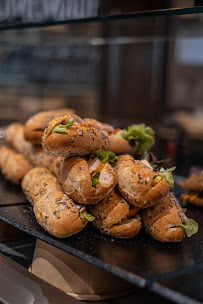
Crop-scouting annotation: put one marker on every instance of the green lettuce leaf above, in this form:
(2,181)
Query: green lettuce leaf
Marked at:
(167,175)
(105,156)
(95,178)
(88,216)
(63,128)
(139,135)
(190,227)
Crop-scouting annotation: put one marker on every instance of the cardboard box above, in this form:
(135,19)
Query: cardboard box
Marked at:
(74,276)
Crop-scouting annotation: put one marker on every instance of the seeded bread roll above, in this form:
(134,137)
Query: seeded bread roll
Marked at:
(38,157)
(162,219)
(56,166)
(35,125)
(35,154)
(14,136)
(127,229)
(13,165)
(99,125)
(53,209)
(77,181)
(78,141)
(135,182)
(120,146)
(111,217)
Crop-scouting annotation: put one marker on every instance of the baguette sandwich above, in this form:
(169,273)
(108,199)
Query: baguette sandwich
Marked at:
(13,165)
(162,220)
(67,136)
(53,209)
(139,184)
(114,217)
(35,125)
(71,136)
(14,136)
(87,182)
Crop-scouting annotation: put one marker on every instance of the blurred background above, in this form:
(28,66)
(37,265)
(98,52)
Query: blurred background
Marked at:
(127,71)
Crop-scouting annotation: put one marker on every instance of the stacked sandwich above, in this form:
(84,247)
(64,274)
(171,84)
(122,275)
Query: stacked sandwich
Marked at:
(86,171)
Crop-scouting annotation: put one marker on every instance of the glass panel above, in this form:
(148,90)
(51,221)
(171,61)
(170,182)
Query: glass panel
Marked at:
(124,71)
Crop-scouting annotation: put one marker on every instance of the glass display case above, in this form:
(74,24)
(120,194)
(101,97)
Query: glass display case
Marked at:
(121,63)
(119,66)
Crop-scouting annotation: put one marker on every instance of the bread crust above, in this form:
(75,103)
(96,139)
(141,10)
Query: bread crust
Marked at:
(14,136)
(127,231)
(38,157)
(35,125)
(13,165)
(134,182)
(79,140)
(120,146)
(77,182)
(34,153)
(160,220)
(56,167)
(110,212)
(99,125)
(53,209)
(89,135)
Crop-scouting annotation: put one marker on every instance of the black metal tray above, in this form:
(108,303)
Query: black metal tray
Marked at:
(185,288)
(140,260)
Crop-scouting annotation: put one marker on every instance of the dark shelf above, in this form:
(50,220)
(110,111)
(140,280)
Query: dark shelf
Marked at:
(140,260)
(186,288)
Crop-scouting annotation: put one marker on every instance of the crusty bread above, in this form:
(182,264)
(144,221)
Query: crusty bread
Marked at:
(82,138)
(35,125)
(194,182)
(13,165)
(134,182)
(79,140)
(56,166)
(77,183)
(35,154)
(194,198)
(120,146)
(110,213)
(127,230)
(14,136)
(53,209)
(111,210)
(38,157)
(162,219)
(88,122)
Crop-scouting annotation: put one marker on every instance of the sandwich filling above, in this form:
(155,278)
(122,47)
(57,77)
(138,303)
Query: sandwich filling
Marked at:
(95,166)
(140,135)
(163,174)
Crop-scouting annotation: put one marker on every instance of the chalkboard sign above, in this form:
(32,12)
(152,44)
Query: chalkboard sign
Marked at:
(25,12)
